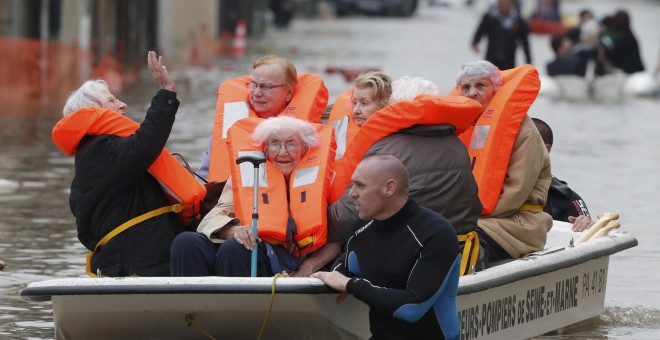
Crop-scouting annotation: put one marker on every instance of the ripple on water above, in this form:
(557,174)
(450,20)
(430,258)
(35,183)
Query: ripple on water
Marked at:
(14,309)
(38,324)
(639,323)
(33,184)
(635,317)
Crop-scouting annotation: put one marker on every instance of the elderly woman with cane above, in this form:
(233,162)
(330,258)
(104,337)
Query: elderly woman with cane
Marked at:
(291,202)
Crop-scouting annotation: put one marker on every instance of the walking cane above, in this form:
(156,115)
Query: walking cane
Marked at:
(255,160)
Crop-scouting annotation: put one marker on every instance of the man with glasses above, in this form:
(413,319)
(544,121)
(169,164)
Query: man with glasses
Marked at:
(273,88)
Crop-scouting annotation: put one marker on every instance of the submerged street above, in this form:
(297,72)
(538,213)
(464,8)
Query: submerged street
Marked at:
(606,149)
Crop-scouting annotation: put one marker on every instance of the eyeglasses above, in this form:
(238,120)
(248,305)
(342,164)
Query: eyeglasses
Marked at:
(252,86)
(277,146)
(478,86)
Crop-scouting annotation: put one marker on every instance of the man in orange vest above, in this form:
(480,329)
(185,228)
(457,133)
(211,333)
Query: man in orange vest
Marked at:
(273,88)
(274,79)
(513,223)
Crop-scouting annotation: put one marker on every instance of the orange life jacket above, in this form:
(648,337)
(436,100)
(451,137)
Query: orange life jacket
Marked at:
(342,105)
(341,120)
(423,110)
(176,181)
(490,140)
(308,102)
(307,191)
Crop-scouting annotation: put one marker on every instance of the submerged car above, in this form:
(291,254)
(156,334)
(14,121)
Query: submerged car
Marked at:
(402,8)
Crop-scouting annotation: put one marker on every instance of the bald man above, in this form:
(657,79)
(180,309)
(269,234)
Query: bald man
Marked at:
(397,254)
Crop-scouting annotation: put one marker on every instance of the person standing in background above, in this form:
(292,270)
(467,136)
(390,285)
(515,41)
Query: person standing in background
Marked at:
(621,46)
(505,29)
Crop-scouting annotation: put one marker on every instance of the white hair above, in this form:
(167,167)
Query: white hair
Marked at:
(407,88)
(90,93)
(284,124)
(478,70)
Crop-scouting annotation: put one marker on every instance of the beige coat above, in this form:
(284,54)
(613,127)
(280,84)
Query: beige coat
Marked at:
(220,216)
(526,182)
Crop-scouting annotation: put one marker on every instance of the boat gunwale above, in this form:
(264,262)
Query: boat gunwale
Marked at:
(45,293)
(614,243)
(465,288)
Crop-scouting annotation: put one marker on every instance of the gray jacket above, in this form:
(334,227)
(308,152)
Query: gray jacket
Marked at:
(440,178)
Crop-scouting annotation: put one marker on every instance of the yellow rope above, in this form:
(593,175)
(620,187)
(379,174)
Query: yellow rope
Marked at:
(191,321)
(272,299)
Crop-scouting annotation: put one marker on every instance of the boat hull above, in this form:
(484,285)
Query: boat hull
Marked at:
(547,291)
(188,316)
(535,305)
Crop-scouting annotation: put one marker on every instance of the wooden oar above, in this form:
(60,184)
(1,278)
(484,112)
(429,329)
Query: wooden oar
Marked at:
(606,229)
(603,218)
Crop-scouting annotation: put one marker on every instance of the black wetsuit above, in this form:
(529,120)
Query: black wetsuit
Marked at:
(402,260)
(563,202)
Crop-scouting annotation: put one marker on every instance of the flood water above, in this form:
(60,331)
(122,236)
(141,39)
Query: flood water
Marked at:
(608,150)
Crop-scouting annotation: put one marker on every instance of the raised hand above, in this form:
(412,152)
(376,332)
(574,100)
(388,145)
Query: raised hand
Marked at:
(159,72)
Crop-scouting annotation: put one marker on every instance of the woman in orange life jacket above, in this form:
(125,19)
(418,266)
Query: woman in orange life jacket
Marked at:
(370,93)
(516,225)
(223,242)
(112,184)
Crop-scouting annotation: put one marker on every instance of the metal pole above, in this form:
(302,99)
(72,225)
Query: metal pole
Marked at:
(255,160)
(255,219)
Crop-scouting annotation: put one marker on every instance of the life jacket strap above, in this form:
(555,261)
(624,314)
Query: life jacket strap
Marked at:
(176,208)
(296,247)
(306,241)
(530,207)
(469,251)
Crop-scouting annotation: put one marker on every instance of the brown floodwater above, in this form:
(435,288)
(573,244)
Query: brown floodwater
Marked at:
(607,149)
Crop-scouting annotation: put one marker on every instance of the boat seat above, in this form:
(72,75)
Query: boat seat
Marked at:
(443,303)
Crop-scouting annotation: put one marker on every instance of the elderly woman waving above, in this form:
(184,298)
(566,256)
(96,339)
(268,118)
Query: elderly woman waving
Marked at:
(292,202)
(125,181)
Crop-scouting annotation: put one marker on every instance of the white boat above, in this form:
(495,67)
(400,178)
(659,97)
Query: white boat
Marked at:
(549,290)
(611,87)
